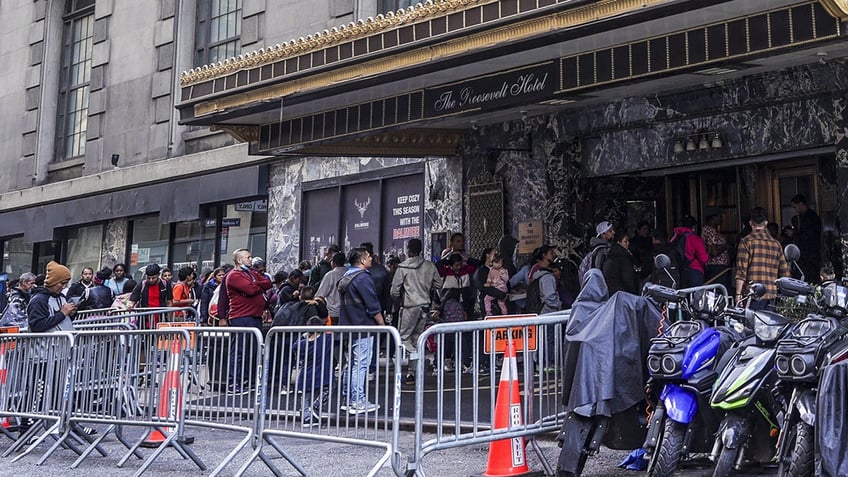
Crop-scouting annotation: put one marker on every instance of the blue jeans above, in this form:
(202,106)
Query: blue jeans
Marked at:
(240,363)
(356,371)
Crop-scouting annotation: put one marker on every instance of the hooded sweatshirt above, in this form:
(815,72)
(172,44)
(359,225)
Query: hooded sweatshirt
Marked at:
(44,312)
(415,278)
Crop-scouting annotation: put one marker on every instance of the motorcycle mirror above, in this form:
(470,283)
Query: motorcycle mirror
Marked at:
(662,261)
(792,252)
(758,289)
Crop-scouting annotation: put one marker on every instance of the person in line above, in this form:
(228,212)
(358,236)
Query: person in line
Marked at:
(168,275)
(549,277)
(153,292)
(717,249)
(184,294)
(245,291)
(17,300)
(117,282)
(641,246)
(290,290)
(206,293)
(807,237)
(599,246)
(48,310)
(122,301)
(498,278)
(620,267)
(360,306)
(86,281)
(414,281)
(759,259)
(323,267)
(314,352)
(328,291)
(694,252)
(99,296)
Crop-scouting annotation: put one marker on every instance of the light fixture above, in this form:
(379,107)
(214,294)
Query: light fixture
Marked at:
(717,143)
(697,141)
(474,125)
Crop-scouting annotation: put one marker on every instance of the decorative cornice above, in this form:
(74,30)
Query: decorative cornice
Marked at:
(837,8)
(525,29)
(327,38)
(242,133)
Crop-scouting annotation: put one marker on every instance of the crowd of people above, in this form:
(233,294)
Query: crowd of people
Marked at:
(354,288)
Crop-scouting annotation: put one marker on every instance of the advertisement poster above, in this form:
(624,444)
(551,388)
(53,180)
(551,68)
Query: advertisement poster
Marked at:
(403,213)
(320,222)
(361,214)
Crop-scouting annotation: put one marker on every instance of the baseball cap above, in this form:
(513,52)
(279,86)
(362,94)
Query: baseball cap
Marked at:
(602,228)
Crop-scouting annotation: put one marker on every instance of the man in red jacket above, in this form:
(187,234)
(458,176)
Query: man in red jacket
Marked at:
(245,287)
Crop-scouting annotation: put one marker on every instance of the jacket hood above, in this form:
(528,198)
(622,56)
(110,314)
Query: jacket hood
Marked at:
(412,262)
(44,291)
(682,230)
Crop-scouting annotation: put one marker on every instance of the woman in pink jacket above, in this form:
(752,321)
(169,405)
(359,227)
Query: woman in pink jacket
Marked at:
(694,252)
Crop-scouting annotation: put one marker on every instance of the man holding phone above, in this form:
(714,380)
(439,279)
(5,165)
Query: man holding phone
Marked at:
(48,309)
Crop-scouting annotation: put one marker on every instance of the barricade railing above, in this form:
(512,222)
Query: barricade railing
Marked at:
(463,406)
(324,386)
(139,318)
(35,372)
(127,378)
(224,383)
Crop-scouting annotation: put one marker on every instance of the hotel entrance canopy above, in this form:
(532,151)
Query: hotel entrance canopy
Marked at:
(407,82)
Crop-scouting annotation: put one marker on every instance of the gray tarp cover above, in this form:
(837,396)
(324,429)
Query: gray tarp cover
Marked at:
(832,421)
(607,341)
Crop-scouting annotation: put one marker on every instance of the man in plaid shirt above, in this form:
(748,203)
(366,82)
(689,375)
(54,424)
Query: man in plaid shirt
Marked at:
(759,259)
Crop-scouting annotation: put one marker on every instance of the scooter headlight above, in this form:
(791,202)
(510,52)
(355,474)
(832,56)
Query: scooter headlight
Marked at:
(767,331)
(782,364)
(654,365)
(669,364)
(798,365)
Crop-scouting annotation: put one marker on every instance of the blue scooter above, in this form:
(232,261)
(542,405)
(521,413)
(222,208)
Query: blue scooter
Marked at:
(683,363)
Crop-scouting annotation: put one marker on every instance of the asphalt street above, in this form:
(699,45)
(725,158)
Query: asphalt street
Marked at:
(317,458)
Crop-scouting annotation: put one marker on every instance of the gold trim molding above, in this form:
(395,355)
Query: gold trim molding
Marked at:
(408,142)
(578,16)
(837,8)
(242,133)
(328,38)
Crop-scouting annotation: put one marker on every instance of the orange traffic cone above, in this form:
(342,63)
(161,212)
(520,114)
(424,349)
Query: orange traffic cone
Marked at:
(170,395)
(507,457)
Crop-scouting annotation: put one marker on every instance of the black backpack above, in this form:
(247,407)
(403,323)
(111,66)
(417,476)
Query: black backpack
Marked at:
(680,246)
(533,303)
(292,313)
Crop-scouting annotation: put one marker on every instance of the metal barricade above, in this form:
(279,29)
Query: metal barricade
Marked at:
(224,384)
(35,372)
(140,318)
(462,410)
(128,379)
(319,387)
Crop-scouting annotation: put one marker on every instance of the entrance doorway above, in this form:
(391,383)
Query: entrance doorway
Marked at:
(786,183)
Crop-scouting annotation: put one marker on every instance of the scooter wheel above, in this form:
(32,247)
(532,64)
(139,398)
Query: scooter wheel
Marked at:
(670,449)
(726,461)
(801,460)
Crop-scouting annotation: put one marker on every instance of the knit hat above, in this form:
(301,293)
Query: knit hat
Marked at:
(56,274)
(102,275)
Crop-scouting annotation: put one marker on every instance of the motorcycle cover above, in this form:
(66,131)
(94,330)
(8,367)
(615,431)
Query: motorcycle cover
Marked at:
(606,343)
(832,421)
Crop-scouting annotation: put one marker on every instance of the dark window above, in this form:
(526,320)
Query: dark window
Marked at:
(77,43)
(218,30)
(385,6)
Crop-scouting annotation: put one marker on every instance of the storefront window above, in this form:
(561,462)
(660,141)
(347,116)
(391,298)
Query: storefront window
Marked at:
(244,225)
(83,249)
(194,245)
(149,244)
(17,257)
(44,252)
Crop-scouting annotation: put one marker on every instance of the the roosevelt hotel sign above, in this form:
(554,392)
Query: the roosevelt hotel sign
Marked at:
(515,87)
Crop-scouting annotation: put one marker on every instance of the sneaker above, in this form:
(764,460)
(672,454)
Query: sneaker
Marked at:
(409,379)
(285,392)
(236,390)
(467,369)
(310,420)
(89,431)
(372,375)
(483,371)
(362,407)
(549,370)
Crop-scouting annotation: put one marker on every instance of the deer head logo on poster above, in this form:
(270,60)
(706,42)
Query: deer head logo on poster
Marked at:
(362,207)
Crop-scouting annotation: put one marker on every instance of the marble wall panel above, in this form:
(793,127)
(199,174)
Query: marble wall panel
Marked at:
(114,248)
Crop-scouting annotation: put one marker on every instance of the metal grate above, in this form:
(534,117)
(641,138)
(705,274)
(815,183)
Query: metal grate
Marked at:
(485,212)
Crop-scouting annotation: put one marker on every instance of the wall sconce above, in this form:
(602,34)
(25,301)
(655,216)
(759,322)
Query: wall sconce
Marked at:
(698,141)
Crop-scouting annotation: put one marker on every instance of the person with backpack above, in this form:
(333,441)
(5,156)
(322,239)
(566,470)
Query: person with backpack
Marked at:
(545,289)
(599,246)
(100,295)
(692,251)
(208,306)
(294,314)
(152,292)
(328,291)
(620,267)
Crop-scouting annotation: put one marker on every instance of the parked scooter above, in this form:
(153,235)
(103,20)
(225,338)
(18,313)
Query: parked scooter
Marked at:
(747,388)
(817,341)
(683,363)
